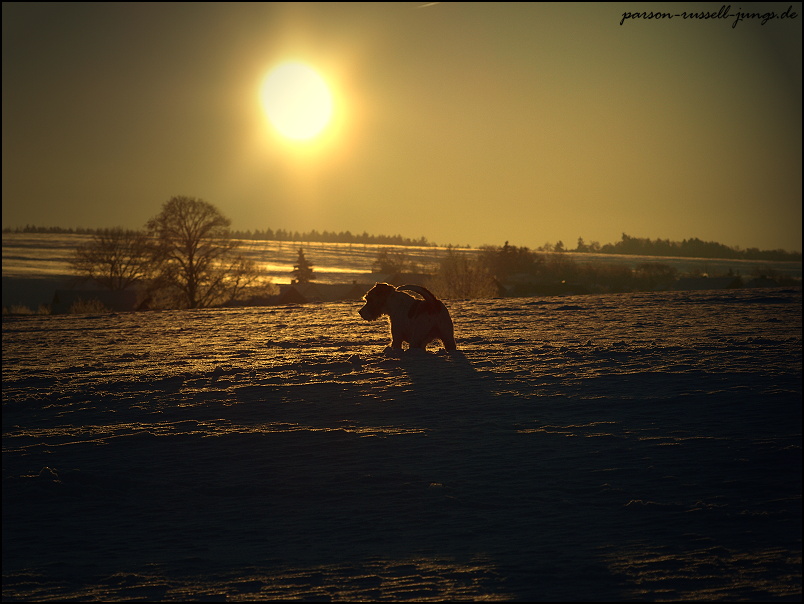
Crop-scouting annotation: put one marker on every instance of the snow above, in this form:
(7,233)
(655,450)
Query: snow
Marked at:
(616,447)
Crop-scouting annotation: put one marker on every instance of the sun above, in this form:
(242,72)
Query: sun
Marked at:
(296,100)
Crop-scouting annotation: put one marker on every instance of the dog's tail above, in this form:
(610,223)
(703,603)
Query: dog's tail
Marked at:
(422,291)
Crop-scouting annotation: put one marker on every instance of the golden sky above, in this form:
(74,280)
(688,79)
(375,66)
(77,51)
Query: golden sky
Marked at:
(467,123)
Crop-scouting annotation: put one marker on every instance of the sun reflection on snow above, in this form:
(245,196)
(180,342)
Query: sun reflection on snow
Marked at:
(63,435)
(417,579)
(569,430)
(714,573)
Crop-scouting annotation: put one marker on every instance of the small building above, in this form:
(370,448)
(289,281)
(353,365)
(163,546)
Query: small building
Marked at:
(301,293)
(703,283)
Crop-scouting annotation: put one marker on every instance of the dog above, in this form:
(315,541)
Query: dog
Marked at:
(417,322)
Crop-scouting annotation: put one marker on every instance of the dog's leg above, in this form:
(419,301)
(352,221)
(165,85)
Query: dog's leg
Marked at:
(396,338)
(448,340)
(445,336)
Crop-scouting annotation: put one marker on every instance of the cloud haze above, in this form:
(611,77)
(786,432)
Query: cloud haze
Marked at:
(464,123)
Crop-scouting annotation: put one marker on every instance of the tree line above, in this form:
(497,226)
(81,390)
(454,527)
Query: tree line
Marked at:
(30,228)
(628,245)
(313,236)
(518,271)
(187,257)
(332,237)
(687,248)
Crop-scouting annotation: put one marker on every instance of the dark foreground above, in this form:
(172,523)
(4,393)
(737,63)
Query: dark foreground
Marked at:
(632,447)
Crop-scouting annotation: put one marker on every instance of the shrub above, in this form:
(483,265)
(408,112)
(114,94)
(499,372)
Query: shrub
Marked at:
(460,276)
(91,306)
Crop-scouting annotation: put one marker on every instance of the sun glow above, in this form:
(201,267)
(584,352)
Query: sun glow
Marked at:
(297,101)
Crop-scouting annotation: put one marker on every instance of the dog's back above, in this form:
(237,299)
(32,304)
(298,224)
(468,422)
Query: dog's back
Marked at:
(430,305)
(422,291)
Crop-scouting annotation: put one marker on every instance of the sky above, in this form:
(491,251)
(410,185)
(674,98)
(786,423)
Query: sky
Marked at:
(465,123)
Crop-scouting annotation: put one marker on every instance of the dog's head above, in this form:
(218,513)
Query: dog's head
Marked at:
(375,301)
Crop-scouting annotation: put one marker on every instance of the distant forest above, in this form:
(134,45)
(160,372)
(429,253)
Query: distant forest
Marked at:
(267,235)
(688,248)
(634,246)
(331,237)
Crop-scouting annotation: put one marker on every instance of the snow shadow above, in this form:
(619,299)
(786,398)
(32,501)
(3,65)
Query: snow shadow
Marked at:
(477,483)
(447,377)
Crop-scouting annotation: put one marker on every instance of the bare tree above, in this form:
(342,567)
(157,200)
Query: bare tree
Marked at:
(116,259)
(197,257)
